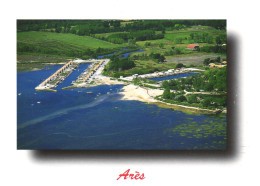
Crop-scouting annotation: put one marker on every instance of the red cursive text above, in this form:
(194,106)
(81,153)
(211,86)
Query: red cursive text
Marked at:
(136,176)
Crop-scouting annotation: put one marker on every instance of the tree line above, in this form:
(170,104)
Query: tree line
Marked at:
(142,35)
(215,49)
(87,27)
(61,49)
(207,61)
(118,64)
(210,80)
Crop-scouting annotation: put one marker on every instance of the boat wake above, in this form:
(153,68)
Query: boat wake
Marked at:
(61,112)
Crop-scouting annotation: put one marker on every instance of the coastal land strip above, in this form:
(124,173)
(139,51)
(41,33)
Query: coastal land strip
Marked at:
(147,95)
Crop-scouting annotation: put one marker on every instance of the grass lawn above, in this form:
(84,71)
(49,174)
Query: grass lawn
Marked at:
(31,57)
(72,39)
(105,35)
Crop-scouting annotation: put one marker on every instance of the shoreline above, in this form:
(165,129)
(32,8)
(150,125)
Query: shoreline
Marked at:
(189,109)
(134,92)
(147,95)
(34,66)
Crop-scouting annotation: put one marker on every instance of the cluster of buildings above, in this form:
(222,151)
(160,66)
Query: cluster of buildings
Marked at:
(211,65)
(158,74)
(88,74)
(193,47)
(67,69)
(196,46)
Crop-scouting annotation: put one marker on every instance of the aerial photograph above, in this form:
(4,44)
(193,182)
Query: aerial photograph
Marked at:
(121,84)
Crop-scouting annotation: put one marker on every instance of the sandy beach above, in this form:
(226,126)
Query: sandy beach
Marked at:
(143,94)
(103,80)
(133,92)
(147,95)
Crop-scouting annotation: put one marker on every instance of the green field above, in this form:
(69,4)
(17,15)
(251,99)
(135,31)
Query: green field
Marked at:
(61,45)
(180,39)
(44,47)
(70,39)
(105,35)
(171,37)
(186,56)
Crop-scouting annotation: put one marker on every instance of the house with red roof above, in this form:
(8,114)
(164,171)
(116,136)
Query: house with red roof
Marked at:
(193,46)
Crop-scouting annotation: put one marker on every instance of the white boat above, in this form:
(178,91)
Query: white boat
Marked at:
(19,94)
(38,102)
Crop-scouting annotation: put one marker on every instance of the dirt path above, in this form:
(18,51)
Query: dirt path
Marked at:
(205,93)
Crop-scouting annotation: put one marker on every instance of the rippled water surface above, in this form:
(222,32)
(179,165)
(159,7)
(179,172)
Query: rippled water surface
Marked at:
(96,118)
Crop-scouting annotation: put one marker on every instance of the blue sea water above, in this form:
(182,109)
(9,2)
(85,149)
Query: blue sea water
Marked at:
(127,54)
(173,76)
(112,53)
(75,119)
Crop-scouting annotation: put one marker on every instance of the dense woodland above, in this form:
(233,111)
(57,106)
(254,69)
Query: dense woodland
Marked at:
(213,80)
(210,80)
(87,27)
(124,37)
(118,64)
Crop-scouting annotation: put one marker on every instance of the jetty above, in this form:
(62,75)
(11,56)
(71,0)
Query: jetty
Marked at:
(57,77)
(62,73)
(88,75)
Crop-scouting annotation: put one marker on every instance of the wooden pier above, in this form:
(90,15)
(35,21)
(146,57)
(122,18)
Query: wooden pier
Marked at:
(44,84)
